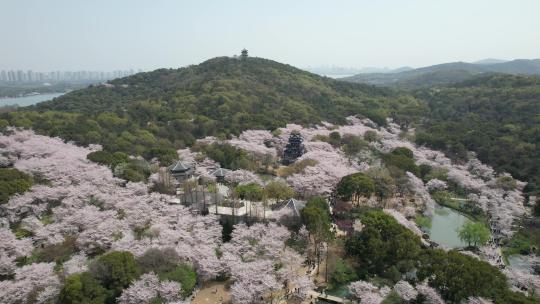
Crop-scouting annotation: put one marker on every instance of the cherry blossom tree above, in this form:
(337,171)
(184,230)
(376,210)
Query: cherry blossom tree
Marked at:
(77,263)
(419,189)
(147,288)
(254,142)
(10,246)
(405,290)
(436,185)
(478,300)
(242,177)
(366,292)
(404,221)
(37,280)
(430,294)
(84,199)
(251,258)
(7,264)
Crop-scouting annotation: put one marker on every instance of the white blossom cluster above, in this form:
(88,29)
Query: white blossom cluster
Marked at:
(86,201)
(148,287)
(366,292)
(251,258)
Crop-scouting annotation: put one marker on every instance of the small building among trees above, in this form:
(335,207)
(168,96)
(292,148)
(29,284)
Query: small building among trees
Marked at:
(181,171)
(290,207)
(220,174)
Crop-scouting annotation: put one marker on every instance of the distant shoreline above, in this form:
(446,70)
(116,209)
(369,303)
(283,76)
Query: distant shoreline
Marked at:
(30,94)
(28,100)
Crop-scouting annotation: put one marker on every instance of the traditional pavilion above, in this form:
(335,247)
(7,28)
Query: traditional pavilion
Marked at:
(181,171)
(294,149)
(220,174)
(292,206)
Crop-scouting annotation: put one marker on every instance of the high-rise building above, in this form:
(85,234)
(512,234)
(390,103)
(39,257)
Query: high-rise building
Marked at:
(20,76)
(57,76)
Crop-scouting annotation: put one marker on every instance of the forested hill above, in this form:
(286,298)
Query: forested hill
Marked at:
(170,108)
(234,94)
(447,73)
(496,116)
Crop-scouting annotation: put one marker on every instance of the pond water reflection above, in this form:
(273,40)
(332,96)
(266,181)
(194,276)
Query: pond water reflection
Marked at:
(445,224)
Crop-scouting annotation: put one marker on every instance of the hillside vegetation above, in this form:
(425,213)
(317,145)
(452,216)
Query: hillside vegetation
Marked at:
(447,73)
(497,116)
(170,108)
(153,114)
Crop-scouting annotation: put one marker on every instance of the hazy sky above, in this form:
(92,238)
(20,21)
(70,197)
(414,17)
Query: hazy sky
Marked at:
(147,34)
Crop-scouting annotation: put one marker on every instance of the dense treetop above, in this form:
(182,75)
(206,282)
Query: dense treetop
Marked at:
(153,114)
(498,117)
(170,108)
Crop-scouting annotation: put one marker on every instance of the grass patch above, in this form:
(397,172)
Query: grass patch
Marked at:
(526,241)
(455,202)
(184,274)
(297,167)
(423,221)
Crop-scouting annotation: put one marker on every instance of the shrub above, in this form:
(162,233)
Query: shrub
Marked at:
(83,288)
(115,270)
(184,274)
(13,181)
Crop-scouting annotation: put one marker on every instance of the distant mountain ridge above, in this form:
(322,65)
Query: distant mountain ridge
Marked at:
(448,73)
(489,61)
(330,71)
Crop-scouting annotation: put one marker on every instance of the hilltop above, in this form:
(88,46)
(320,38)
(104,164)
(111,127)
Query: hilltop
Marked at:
(250,85)
(170,108)
(448,73)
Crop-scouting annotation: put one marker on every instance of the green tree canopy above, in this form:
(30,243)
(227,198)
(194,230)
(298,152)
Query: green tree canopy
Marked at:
(457,276)
(475,233)
(401,159)
(251,192)
(320,203)
(82,288)
(115,270)
(381,244)
(278,190)
(355,185)
(13,181)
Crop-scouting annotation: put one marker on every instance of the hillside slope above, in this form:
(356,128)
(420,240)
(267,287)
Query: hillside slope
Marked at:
(496,116)
(447,73)
(170,108)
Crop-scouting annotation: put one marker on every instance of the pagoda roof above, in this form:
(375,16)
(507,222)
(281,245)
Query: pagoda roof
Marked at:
(293,205)
(220,172)
(179,166)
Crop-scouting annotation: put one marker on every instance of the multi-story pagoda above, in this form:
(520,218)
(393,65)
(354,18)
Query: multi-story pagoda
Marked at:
(294,149)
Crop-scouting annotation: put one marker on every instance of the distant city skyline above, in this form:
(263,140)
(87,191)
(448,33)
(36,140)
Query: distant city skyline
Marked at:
(30,76)
(118,35)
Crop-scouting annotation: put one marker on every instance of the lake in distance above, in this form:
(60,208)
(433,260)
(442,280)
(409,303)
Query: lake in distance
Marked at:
(27,100)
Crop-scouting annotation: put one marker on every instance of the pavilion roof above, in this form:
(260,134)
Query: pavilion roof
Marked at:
(220,172)
(179,166)
(293,205)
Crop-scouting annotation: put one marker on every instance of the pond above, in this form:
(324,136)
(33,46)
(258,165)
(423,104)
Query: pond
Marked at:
(445,224)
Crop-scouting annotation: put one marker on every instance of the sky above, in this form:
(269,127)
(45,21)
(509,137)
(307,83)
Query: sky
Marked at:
(141,34)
